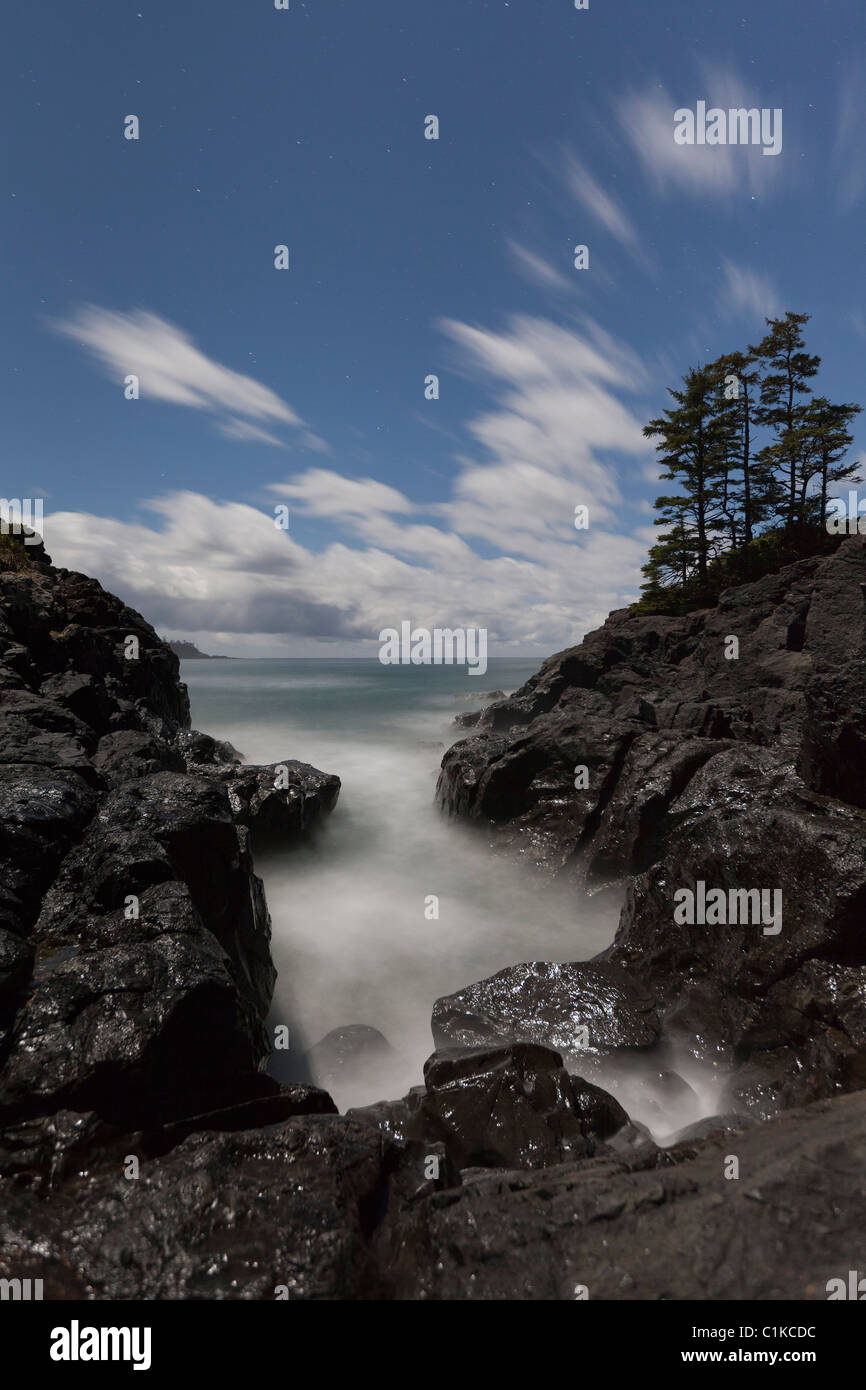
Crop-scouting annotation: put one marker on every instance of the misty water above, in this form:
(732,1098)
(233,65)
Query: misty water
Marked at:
(351,941)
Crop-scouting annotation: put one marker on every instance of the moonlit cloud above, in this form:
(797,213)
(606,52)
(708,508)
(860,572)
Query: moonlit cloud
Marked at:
(647,118)
(747,292)
(171,368)
(247,433)
(849,151)
(603,206)
(537,270)
(499,550)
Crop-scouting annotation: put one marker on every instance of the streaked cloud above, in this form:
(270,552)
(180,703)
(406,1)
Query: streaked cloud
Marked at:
(170,367)
(849,149)
(536,269)
(647,119)
(747,292)
(499,550)
(603,206)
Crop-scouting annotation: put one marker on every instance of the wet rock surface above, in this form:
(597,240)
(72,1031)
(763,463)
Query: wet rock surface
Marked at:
(135,966)
(509,1107)
(577,1009)
(645,756)
(332,1207)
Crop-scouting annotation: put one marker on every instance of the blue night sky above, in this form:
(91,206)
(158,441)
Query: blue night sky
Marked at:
(408,256)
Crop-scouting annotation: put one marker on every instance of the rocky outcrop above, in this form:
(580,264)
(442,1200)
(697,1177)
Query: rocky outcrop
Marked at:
(578,1009)
(135,966)
(335,1207)
(726,748)
(508,1107)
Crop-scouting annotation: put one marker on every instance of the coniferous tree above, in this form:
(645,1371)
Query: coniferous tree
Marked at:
(787,371)
(739,391)
(740,511)
(828,439)
(691,448)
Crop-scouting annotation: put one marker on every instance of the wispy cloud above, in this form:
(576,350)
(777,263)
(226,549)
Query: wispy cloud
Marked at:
(747,292)
(497,550)
(247,433)
(647,118)
(170,367)
(849,150)
(603,206)
(537,269)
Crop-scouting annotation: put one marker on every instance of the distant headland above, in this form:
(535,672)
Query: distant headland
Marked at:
(188,651)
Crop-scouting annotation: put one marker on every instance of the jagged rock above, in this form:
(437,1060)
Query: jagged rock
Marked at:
(130,753)
(747,821)
(144,1021)
(42,813)
(328,1207)
(281,801)
(741,774)
(507,1107)
(66,1140)
(641,1224)
(551,1004)
(200,750)
(290,1208)
(135,969)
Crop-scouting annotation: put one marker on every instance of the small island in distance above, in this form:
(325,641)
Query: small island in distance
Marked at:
(188,651)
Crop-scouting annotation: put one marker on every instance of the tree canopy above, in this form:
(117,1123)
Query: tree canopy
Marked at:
(752,456)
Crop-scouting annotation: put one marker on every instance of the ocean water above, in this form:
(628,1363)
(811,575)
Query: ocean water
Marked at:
(352,942)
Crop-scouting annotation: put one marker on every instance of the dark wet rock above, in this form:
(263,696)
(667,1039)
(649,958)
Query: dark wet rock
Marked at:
(747,821)
(632,1136)
(68,1140)
(200,750)
(645,1224)
(283,1212)
(501,1108)
(645,757)
(507,1107)
(325,1207)
(282,801)
(577,1008)
(599,1115)
(145,1020)
(135,968)
(129,753)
